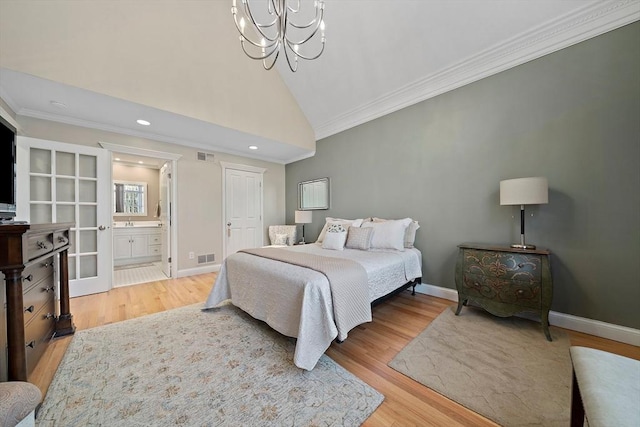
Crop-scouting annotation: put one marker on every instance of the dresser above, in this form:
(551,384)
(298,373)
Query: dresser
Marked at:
(505,281)
(29,255)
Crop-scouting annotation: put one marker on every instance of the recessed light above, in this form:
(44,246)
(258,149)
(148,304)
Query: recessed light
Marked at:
(141,162)
(143,122)
(58,104)
(117,159)
(253,147)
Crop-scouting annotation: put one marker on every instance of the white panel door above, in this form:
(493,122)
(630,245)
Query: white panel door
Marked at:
(243,205)
(60,182)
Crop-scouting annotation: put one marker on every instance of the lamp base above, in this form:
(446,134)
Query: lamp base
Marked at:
(520,246)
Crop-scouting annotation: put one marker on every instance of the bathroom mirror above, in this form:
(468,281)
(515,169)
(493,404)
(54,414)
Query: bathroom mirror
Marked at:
(130,198)
(313,195)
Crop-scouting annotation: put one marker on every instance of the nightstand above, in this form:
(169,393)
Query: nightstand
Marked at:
(505,281)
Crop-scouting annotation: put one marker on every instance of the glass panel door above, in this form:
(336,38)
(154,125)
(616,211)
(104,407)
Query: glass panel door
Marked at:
(70,183)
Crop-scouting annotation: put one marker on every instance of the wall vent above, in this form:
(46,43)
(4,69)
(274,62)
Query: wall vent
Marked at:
(206,157)
(206,258)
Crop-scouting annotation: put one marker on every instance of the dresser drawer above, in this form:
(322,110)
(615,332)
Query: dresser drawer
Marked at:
(39,244)
(35,272)
(37,334)
(504,265)
(36,298)
(60,238)
(513,292)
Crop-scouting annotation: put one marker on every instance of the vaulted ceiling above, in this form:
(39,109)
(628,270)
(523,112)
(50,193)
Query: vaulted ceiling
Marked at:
(180,65)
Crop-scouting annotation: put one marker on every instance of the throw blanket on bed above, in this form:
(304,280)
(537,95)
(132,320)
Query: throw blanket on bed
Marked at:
(347,279)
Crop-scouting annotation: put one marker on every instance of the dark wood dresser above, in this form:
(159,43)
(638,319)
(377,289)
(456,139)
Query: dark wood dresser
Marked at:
(29,254)
(505,281)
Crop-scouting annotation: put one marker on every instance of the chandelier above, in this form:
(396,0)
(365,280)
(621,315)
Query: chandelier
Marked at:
(265,40)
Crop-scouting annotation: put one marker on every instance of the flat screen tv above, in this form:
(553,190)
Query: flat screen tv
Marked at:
(7,171)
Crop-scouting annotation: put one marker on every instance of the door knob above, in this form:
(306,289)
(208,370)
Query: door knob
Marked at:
(229,224)
(102,228)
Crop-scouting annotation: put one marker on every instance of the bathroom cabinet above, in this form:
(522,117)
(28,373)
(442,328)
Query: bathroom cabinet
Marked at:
(136,245)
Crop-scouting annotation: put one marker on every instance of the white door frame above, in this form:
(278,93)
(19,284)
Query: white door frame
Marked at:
(246,168)
(125,149)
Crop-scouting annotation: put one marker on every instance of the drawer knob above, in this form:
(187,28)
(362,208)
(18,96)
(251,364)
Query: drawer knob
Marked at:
(48,316)
(28,278)
(41,245)
(48,289)
(30,309)
(61,239)
(46,264)
(32,344)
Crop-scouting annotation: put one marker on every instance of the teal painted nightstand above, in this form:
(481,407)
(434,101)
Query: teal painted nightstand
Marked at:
(505,281)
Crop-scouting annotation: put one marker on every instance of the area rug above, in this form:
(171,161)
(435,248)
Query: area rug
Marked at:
(191,367)
(502,368)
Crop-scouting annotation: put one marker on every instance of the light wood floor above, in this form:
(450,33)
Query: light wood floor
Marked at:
(365,353)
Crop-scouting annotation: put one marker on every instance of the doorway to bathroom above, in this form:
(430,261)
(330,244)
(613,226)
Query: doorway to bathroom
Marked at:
(143,213)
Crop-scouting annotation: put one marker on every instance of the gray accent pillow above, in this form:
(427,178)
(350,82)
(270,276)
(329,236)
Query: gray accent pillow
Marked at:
(359,238)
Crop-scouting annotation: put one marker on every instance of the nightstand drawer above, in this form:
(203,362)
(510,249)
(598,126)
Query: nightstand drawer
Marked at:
(504,265)
(501,290)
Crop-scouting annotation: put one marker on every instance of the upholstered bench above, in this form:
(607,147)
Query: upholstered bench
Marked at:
(606,388)
(18,402)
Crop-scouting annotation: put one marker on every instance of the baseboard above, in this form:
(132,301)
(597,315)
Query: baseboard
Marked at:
(580,324)
(211,268)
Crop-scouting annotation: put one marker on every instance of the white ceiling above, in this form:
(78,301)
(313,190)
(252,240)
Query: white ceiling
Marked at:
(381,55)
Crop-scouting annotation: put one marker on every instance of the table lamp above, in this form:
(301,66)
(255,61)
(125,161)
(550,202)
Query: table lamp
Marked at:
(524,191)
(303,217)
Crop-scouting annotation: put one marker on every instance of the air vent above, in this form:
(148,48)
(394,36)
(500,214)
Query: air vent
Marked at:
(206,157)
(206,258)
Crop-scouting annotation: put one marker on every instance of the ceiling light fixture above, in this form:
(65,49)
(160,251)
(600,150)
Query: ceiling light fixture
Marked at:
(253,147)
(279,32)
(143,122)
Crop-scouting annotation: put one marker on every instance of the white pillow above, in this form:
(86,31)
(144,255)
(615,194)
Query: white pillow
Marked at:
(335,237)
(388,234)
(346,223)
(281,239)
(409,233)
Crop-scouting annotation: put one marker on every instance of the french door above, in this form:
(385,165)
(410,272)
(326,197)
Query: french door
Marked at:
(60,182)
(243,207)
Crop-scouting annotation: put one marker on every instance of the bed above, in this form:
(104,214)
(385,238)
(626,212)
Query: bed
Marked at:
(298,301)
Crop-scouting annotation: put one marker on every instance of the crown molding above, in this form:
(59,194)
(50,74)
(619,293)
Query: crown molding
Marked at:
(593,19)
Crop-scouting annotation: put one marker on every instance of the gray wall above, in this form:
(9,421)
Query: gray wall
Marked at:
(572,116)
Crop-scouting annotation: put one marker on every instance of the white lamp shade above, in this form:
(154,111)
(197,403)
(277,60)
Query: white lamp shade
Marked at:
(524,191)
(303,217)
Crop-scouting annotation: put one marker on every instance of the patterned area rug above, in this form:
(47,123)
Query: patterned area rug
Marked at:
(502,368)
(191,367)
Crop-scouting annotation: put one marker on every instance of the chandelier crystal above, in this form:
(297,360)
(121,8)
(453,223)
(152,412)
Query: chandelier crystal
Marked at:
(279,32)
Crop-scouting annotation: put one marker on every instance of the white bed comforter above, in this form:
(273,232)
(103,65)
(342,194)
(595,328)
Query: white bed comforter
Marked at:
(296,301)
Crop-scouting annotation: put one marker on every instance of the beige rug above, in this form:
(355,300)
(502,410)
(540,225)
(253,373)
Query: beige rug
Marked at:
(198,368)
(502,368)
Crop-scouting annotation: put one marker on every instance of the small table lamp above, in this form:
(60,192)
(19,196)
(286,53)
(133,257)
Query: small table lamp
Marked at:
(524,191)
(303,217)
